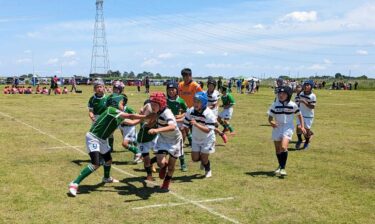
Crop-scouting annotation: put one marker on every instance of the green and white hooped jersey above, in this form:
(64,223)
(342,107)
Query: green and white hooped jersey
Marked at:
(106,123)
(176,106)
(228,99)
(97,104)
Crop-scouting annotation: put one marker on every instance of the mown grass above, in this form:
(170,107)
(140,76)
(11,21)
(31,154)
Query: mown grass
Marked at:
(333,182)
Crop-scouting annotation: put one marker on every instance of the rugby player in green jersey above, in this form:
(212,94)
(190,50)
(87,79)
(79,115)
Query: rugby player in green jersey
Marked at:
(98,104)
(226,114)
(97,146)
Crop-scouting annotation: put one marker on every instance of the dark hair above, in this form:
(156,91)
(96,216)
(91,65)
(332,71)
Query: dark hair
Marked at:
(186,71)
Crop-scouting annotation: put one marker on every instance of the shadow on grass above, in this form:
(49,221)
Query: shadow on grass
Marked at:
(87,189)
(123,163)
(79,162)
(264,173)
(183,179)
(142,193)
(265,125)
(261,173)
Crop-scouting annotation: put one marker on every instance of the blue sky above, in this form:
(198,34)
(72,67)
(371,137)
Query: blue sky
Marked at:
(230,38)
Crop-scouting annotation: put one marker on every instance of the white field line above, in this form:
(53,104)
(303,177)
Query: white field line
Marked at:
(210,210)
(62,147)
(184,203)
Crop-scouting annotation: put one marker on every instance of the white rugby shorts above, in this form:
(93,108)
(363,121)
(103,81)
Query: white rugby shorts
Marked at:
(226,113)
(95,144)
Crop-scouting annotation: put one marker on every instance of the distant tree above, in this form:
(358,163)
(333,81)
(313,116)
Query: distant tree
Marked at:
(362,77)
(116,74)
(125,74)
(131,75)
(338,76)
(158,76)
(285,77)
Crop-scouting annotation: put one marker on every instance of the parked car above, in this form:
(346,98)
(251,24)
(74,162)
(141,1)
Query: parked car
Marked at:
(9,80)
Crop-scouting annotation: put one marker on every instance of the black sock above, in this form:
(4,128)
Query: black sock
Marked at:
(307,141)
(148,171)
(299,137)
(284,157)
(168,177)
(207,167)
(153,160)
(278,158)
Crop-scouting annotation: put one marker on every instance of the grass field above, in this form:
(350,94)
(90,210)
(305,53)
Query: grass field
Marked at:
(42,150)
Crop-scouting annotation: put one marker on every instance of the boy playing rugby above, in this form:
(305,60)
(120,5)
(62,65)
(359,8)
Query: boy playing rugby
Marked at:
(307,102)
(226,114)
(280,116)
(147,141)
(202,121)
(129,133)
(169,140)
(97,103)
(178,107)
(97,146)
(213,96)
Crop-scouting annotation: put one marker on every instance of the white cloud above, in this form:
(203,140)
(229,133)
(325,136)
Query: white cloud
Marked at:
(225,54)
(362,52)
(165,55)
(150,62)
(317,67)
(23,61)
(259,26)
(52,61)
(300,16)
(68,54)
(327,61)
(27,51)
(200,52)
(33,34)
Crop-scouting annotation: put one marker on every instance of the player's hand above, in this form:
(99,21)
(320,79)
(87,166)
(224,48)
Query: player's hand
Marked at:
(303,130)
(273,124)
(93,118)
(193,122)
(303,101)
(153,131)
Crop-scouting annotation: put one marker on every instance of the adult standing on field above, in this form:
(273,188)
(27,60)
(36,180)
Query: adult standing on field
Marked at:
(53,85)
(74,84)
(187,90)
(147,84)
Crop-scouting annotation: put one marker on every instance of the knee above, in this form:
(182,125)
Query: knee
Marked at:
(195,159)
(125,144)
(160,164)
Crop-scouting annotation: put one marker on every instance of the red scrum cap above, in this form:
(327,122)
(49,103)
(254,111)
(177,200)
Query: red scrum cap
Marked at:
(159,98)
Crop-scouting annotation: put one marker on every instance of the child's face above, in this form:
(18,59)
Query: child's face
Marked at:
(197,104)
(99,89)
(187,78)
(211,87)
(172,92)
(298,89)
(282,96)
(307,88)
(155,107)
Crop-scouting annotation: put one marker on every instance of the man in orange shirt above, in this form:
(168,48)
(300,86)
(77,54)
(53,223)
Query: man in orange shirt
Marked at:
(186,90)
